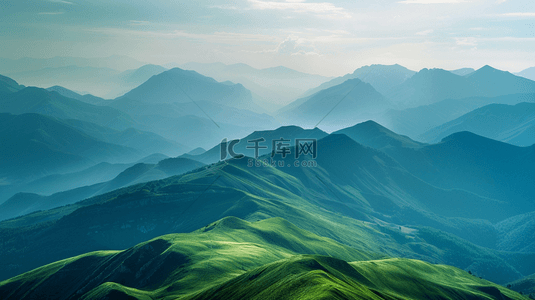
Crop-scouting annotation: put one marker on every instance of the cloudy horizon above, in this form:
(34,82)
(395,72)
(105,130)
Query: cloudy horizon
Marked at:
(328,38)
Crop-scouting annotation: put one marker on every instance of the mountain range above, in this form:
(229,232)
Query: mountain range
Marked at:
(511,124)
(353,186)
(528,73)
(418,184)
(270,87)
(34,145)
(263,260)
(336,107)
(431,86)
(381,77)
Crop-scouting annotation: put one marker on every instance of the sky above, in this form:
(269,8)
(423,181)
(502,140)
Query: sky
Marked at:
(330,38)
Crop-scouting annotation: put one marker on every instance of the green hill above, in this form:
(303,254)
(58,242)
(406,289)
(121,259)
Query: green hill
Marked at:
(235,259)
(125,217)
(320,277)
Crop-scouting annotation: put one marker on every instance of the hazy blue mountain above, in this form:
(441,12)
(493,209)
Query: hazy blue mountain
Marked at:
(373,135)
(24,203)
(462,71)
(8,85)
(195,131)
(431,86)
(153,158)
(517,233)
(463,161)
(98,81)
(528,73)
(525,285)
(277,85)
(289,133)
(140,75)
(197,151)
(102,81)
(376,175)
(146,142)
(381,77)
(117,62)
(34,145)
(213,113)
(203,109)
(130,79)
(477,164)
(178,86)
(56,183)
(416,121)
(337,107)
(511,124)
(87,98)
(41,101)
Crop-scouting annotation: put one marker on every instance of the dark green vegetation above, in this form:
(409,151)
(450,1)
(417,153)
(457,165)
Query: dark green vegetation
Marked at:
(511,124)
(235,259)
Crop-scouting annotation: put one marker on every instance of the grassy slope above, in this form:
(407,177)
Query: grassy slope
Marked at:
(320,277)
(179,263)
(125,217)
(235,259)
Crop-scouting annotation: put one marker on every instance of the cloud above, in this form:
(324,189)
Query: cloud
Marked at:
(295,46)
(139,23)
(432,1)
(61,1)
(470,41)
(324,9)
(519,14)
(425,32)
(52,13)
(229,7)
(292,45)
